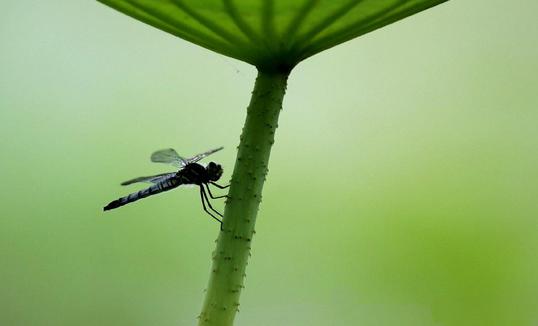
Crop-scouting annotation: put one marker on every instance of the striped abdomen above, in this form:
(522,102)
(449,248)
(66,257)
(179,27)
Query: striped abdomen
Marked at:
(165,185)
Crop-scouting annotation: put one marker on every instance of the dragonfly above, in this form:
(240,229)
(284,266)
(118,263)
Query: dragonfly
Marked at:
(190,172)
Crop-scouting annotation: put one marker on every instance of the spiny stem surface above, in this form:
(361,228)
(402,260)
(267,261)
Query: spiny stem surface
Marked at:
(234,242)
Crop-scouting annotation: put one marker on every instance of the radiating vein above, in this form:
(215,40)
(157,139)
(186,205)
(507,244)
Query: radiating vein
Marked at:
(231,10)
(143,15)
(370,23)
(302,13)
(232,39)
(348,30)
(186,32)
(327,22)
(268,20)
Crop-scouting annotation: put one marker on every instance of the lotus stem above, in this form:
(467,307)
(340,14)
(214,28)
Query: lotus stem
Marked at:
(231,255)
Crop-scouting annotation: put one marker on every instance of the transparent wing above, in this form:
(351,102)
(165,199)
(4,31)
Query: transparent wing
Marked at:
(169,156)
(198,157)
(152,179)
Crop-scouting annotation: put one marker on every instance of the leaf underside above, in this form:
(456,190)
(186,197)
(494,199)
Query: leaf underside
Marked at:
(269,33)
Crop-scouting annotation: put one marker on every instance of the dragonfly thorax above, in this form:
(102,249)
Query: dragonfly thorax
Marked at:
(195,173)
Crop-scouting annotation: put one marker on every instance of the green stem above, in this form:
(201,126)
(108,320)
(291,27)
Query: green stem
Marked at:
(233,245)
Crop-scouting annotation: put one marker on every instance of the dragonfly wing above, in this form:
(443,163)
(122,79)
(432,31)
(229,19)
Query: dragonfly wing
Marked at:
(198,157)
(152,179)
(169,156)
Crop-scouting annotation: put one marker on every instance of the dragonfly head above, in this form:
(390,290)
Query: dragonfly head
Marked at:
(214,171)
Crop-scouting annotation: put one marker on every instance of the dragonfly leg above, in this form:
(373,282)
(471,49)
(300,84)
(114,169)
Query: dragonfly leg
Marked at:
(211,195)
(203,197)
(219,186)
(209,203)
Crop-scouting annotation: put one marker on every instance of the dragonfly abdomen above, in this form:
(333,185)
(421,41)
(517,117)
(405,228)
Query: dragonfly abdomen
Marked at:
(165,185)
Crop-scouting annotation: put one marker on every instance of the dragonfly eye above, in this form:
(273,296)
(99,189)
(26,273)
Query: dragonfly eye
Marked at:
(214,171)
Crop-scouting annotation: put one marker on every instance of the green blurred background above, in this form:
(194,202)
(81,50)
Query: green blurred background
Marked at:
(402,186)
